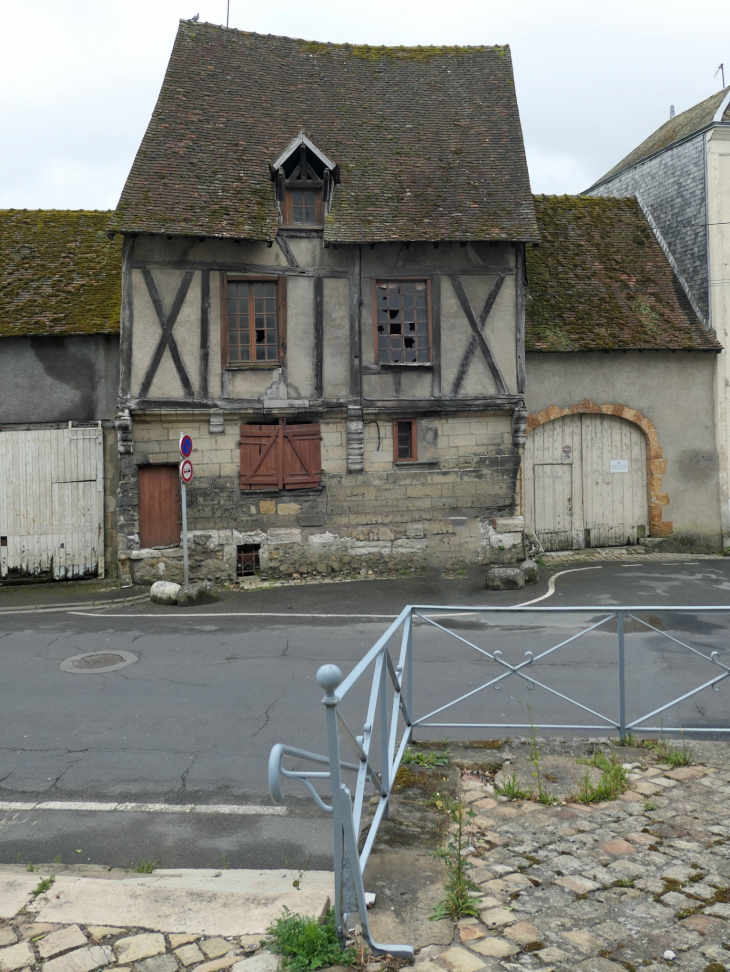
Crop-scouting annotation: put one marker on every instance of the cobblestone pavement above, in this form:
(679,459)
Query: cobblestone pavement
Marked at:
(25,944)
(642,882)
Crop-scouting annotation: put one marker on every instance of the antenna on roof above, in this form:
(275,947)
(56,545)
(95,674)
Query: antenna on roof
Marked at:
(228,10)
(671,112)
(721,69)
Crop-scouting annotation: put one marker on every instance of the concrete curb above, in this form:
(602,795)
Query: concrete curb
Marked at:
(70,606)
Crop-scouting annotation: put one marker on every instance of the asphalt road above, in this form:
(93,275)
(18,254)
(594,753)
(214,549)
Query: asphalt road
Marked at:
(192,721)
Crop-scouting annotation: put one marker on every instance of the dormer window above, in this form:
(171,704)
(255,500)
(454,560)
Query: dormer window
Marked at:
(304,178)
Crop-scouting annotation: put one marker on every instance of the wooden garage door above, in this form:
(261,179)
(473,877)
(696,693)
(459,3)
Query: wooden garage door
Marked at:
(160,514)
(585,482)
(52,503)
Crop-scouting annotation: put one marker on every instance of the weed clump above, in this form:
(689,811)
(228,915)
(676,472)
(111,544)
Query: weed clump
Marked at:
(305,943)
(429,760)
(611,784)
(459,890)
(512,788)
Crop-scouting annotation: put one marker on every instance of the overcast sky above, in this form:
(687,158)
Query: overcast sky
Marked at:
(80,77)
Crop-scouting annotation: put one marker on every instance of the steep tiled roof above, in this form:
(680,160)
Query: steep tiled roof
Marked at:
(599,281)
(428,139)
(681,126)
(59,273)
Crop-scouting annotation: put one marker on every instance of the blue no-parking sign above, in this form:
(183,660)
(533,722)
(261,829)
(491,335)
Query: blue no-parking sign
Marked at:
(186,446)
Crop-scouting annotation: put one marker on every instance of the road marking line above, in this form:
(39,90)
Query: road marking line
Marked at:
(235,614)
(240,809)
(50,608)
(551,584)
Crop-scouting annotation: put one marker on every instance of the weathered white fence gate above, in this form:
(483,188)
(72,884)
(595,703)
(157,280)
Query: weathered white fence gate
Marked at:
(585,482)
(52,503)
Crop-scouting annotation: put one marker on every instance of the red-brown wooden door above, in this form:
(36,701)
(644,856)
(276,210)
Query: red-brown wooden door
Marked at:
(159,506)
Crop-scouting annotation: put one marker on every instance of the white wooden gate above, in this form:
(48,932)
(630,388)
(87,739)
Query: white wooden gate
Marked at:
(585,482)
(52,503)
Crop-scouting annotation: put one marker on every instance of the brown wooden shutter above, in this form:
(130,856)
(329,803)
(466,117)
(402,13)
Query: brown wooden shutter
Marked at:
(280,457)
(260,462)
(302,456)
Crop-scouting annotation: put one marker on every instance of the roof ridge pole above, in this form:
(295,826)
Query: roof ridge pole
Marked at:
(672,262)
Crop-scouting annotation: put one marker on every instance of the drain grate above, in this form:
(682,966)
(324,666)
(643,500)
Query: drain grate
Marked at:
(97,661)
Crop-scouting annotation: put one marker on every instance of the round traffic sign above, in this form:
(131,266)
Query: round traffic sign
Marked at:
(186,471)
(186,446)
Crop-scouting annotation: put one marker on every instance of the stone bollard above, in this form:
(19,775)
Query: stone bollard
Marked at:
(164,592)
(505,579)
(530,571)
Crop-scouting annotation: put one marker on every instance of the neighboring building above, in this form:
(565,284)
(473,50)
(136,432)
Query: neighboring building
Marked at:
(621,372)
(323,283)
(60,295)
(680,176)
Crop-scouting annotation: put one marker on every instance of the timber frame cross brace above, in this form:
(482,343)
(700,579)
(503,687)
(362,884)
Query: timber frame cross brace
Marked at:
(477,337)
(167,322)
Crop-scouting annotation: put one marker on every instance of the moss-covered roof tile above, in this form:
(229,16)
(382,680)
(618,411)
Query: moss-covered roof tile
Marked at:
(599,281)
(59,273)
(428,139)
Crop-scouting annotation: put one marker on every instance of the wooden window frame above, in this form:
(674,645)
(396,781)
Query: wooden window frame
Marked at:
(287,214)
(429,308)
(414,440)
(280,281)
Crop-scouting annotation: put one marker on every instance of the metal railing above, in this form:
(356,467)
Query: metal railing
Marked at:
(391,719)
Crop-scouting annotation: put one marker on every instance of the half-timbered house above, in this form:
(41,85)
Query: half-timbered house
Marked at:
(323,283)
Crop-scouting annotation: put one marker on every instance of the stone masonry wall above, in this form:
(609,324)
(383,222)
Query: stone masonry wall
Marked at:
(389,517)
(672,185)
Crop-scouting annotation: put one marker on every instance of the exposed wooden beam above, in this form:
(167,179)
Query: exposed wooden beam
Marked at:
(472,345)
(126,319)
(204,331)
(167,322)
(481,341)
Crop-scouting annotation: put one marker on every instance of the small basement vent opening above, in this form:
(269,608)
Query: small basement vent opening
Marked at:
(248,564)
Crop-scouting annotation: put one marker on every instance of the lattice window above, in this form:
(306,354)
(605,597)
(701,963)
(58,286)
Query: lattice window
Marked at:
(402,322)
(252,323)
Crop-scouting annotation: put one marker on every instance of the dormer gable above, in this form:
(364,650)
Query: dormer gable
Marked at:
(304,177)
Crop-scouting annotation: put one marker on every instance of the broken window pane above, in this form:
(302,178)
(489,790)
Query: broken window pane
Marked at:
(402,313)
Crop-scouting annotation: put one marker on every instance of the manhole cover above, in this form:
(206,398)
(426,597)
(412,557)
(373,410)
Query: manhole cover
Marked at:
(97,662)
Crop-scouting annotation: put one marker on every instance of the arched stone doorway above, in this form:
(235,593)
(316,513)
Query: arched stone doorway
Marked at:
(588,475)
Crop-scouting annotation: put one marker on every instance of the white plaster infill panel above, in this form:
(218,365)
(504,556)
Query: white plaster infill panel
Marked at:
(237,902)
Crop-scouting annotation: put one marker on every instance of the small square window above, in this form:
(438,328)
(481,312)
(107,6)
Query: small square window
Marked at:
(303,207)
(248,564)
(404,440)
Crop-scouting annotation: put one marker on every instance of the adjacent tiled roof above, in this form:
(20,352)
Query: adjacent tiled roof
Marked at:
(599,281)
(59,273)
(681,126)
(428,139)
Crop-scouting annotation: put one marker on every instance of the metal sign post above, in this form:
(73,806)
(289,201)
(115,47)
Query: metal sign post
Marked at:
(186,476)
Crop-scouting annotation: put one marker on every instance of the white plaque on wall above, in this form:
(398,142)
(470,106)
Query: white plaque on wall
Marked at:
(619,465)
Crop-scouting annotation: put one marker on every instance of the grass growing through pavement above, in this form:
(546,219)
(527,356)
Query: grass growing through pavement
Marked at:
(459,890)
(305,943)
(512,788)
(667,752)
(44,886)
(611,783)
(428,760)
(147,867)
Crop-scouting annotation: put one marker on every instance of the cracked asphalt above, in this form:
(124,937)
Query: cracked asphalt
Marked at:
(193,720)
